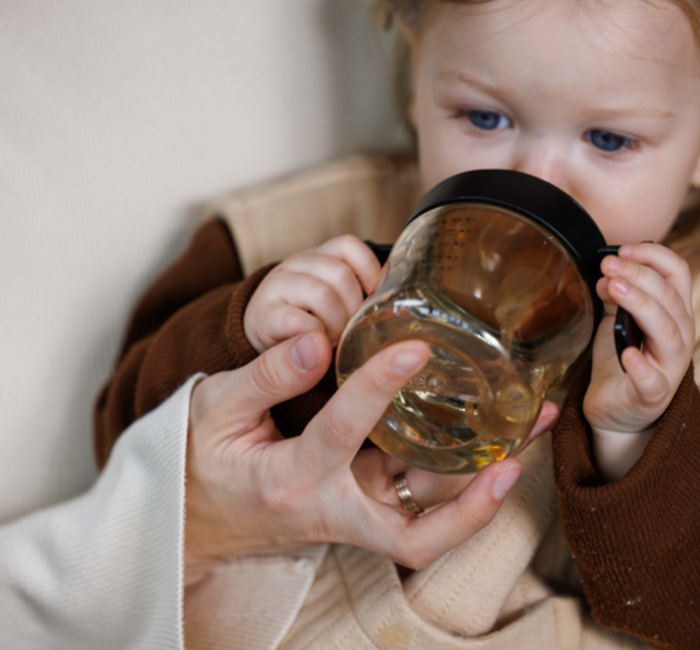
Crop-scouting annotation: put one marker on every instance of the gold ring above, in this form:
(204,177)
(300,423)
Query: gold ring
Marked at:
(405,496)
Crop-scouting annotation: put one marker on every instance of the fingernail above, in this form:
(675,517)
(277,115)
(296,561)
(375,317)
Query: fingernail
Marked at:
(407,361)
(626,250)
(621,285)
(505,481)
(305,353)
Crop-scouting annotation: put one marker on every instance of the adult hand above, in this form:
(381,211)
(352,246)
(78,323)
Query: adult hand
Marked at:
(251,491)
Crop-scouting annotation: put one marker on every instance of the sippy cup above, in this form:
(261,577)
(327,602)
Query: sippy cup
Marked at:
(496,270)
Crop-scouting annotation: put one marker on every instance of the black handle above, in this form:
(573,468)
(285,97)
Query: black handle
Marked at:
(381,251)
(627,332)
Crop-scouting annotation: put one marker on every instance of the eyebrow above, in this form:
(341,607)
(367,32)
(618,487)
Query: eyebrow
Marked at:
(605,113)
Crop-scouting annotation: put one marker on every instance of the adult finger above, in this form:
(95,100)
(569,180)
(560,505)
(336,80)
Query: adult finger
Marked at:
(429,489)
(333,437)
(422,540)
(375,472)
(280,373)
(545,421)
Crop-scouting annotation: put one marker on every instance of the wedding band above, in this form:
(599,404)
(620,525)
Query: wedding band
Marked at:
(405,496)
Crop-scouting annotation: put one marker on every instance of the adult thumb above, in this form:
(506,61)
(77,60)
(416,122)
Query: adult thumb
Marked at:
(284,371)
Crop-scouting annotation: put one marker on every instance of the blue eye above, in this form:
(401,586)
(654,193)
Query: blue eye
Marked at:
(487,120)
(607,141)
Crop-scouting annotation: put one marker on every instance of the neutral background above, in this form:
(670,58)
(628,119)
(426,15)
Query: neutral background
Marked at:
(118,121)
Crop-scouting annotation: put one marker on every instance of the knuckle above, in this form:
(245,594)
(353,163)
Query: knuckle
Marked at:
(267,375)
(634,271)
(295,320)
(345,276)
(641,299)
(348,240)
(323,293)
(678,263)
(413,555)
(340,431)
(478,519)
(668,330)
(277,497)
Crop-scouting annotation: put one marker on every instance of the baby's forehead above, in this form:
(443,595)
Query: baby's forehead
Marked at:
(651,30)
(656,31)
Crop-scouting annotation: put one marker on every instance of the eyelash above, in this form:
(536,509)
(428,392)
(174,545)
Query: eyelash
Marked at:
(472,113)
(626,143)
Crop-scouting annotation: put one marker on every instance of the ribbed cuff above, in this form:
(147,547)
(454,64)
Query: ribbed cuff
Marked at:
(636,541)
(242,352)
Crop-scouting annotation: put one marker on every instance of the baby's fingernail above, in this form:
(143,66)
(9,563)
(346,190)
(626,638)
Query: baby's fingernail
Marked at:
(305,353)
(505,481)
(621,285)
(408,360)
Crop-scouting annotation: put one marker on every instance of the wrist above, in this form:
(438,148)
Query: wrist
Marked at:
(615,452)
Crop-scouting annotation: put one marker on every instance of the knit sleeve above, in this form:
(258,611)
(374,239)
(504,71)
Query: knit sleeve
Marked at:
(636,541)
(190,320)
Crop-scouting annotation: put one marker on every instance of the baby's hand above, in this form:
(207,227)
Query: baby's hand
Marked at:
(653,284)
(318,289)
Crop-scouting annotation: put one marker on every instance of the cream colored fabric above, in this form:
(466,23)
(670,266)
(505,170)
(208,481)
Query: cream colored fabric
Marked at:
(481,596)
(103,571)
(250,603)
(369,196)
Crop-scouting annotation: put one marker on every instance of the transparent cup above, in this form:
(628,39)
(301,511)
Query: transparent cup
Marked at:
(496,270)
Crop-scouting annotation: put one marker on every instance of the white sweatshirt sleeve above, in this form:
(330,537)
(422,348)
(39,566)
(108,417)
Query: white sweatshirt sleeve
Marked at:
(104,570)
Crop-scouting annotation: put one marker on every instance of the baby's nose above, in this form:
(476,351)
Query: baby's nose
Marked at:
(544,160)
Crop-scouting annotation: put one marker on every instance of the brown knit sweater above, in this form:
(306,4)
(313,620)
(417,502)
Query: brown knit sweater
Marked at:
(636,542)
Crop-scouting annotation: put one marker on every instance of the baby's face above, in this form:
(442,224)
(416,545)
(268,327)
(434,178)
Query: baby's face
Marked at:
(601,98)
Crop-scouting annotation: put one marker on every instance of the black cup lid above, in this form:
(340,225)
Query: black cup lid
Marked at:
(536,200)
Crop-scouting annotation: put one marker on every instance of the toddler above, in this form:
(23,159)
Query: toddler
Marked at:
(602,99)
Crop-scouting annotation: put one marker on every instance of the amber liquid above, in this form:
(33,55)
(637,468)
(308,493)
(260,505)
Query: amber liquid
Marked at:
(467,407)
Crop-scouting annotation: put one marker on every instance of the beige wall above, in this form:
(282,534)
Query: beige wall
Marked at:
(117,121)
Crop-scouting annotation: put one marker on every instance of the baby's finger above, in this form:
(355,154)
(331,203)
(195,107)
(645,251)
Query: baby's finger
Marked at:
(358,256)
(649,280)
(664,340)
(284,321)
(332,271)
(648,382)
(332,438)
(665,262)
(315,295)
